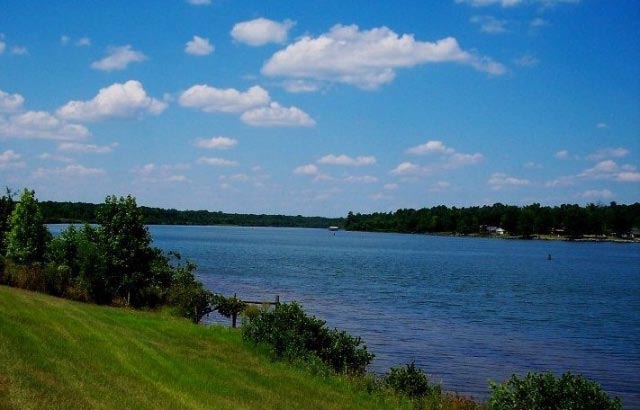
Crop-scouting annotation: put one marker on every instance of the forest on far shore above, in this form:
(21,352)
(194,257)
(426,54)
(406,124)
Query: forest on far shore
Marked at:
(569,220)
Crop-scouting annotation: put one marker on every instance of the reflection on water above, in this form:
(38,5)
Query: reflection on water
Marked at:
(466,310)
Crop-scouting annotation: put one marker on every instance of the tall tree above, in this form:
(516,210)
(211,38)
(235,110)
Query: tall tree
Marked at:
(125,242)
(6,208)
(28,236)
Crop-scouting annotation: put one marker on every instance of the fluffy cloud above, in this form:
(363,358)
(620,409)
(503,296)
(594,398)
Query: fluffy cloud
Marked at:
(597,194)
(430,147)
(499,181)
(407,169)
(608,153)
(526,60)
(309,169)
(367,58)
(490,24)
(448,159)
(40,125)
(230,100)
(347,160)
(610,170)
(458,160)
(117,100)
(216,143)
(364,179)
(276,115)
(10,102)
(86,148)
(217,162)
(261,31)
(118,58)
(70,171)
(199,2)
(198,46)
(607,170)
(9,159)
(152,173)
(562,155)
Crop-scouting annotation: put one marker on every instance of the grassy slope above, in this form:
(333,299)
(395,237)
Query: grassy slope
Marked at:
(60,354)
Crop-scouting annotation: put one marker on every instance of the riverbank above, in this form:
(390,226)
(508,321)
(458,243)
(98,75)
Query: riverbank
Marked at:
(66,355)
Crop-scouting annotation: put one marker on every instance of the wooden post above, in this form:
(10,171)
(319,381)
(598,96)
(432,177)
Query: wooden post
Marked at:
(277,300)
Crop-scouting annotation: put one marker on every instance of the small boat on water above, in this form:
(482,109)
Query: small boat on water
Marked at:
(334,228)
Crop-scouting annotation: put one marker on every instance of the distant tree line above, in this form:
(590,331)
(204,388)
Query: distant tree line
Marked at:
(74,212)
(572,221)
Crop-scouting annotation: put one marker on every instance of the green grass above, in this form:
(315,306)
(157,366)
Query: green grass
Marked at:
(59,354)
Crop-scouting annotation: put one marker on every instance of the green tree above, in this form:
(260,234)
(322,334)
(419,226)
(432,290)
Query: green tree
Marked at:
(188,295)
(125,242)
(28,235)
(6,208)
(545,391)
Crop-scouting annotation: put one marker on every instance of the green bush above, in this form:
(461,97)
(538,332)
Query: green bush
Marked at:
(293,335)
(545,391)
(411,381)
(188,295)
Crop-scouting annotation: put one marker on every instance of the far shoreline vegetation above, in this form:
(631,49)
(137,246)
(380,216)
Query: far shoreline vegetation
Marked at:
(112,263)
(593,222)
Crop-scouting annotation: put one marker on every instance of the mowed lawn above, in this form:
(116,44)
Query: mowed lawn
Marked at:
(59,354)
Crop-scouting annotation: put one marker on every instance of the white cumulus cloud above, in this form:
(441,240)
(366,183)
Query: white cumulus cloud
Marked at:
(309,169)
(217,162)
(10,102)
(86,148)
(71,171)
(40,125)
(347,160)
(499,181)
(597,194)
(276,115)
(216,143)
(261,31)
(9,159)
(367,58)
(230,100)
(198,46)
(490,24)
(608,153)
(118,58)
(407,169)
(430,147)
(118,100)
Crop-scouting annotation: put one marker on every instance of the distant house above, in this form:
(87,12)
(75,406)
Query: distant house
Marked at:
(493,229)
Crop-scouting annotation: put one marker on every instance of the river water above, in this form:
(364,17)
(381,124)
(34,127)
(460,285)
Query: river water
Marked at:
(466,310)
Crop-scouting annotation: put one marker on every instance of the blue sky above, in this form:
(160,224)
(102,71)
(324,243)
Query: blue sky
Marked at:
(321,108)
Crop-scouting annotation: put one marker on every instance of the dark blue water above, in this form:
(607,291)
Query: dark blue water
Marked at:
(466,310)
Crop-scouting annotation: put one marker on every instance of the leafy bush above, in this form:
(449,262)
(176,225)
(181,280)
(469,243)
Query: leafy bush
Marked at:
(294,335)
(545,391)
(188,295)
(229,307)
(411,381)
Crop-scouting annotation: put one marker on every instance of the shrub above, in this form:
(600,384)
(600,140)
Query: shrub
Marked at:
(545,391)
(229,307)
(293,335)
(411,381)
(188,295)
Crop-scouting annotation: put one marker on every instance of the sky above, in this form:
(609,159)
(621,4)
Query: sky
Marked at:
(321,108)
